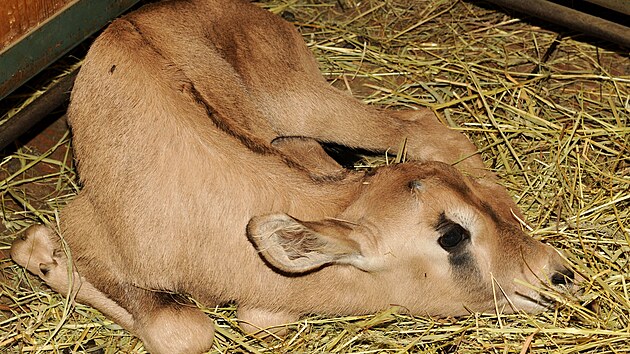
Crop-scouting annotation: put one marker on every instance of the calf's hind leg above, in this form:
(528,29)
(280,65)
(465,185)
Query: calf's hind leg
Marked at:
(163,325)
(38,250)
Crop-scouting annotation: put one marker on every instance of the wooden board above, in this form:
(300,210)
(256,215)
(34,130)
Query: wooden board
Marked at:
(17,17)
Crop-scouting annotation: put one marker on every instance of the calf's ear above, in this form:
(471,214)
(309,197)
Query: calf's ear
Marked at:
(296,247)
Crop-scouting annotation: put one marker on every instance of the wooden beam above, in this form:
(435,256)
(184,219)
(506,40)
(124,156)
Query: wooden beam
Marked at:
(571,18)
(621,6)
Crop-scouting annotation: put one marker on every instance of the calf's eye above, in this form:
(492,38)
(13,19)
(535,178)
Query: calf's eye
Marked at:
(453,234)
(453,237)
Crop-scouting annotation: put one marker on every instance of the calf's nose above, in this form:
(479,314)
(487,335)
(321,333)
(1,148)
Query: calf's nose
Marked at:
(563,277)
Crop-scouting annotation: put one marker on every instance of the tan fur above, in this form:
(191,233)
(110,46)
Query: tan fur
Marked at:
(195,131)
(310,155)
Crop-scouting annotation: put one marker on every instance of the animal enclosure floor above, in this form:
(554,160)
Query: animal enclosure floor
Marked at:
(549,110)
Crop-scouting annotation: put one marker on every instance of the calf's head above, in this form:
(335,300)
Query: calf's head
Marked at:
(426,238)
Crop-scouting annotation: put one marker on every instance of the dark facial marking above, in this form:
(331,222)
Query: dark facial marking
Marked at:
(459,187)
(454,239)
(491,213)
(462,262)
(464,267)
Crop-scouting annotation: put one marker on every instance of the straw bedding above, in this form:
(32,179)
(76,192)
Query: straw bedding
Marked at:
(549,112)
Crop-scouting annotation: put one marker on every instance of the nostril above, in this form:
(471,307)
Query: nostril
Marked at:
(563,277)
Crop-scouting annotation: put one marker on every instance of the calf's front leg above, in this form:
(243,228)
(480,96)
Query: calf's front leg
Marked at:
(164,325)
(38,250)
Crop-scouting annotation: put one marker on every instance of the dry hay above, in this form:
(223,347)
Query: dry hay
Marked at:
(549,113)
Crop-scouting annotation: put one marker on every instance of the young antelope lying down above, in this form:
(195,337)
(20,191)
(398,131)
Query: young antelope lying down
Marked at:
(196,130)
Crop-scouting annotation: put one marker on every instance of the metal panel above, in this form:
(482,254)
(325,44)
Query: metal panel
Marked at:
(55,37)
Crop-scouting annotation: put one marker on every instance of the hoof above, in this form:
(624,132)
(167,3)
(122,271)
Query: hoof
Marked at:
(35,250)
